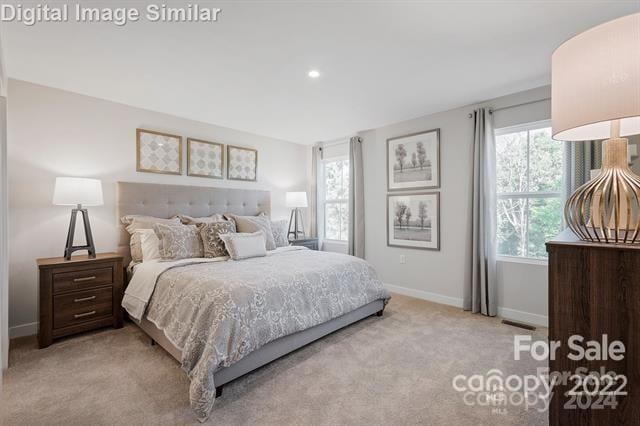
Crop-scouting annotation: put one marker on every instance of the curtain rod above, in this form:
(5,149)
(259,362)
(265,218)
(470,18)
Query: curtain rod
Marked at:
(491,111)
(333,143)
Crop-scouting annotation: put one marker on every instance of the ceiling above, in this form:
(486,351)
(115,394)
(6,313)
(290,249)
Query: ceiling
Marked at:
(380,62)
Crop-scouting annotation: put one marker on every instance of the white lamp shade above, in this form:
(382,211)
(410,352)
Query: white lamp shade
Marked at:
(595,78)
(296,199)
(71,191)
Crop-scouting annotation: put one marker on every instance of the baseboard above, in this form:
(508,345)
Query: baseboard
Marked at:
(29,329)
(425,295)
(525,317)
(512,314)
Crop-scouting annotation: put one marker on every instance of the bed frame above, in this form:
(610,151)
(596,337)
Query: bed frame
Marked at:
(169,200)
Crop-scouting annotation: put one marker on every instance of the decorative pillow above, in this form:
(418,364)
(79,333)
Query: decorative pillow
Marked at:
(250,224)
(134,222)
(150,244)
(280,230)
(244,245)
(179,241)
(188,220)
(210,234)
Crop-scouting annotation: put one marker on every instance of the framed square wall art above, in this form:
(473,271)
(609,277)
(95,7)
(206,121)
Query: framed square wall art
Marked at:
(205,159)
(158,152)
(242,163)
(413,161)
(413,220)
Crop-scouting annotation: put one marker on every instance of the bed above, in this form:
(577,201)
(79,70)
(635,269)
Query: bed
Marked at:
(223,319)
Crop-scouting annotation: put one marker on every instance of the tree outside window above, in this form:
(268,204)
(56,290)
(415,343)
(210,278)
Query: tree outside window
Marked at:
(529,167)
(336,197)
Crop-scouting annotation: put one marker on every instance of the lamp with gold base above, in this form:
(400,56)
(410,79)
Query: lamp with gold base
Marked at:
(595,95)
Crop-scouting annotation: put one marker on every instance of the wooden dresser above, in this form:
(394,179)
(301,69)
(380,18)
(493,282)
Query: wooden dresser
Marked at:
(594,289)
(78,295)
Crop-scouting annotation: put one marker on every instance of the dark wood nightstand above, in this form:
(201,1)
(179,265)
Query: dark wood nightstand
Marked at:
(78,295)
(310,243)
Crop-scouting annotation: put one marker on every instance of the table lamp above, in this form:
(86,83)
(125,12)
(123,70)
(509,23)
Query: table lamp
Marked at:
(595,85)
(78,192)
(296,201)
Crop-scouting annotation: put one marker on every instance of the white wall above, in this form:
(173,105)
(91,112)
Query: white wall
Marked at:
(4,264)
(56,133)
(441,275)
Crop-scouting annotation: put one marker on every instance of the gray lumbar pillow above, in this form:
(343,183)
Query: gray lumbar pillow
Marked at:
(244,245)
(188,220)
(251,224)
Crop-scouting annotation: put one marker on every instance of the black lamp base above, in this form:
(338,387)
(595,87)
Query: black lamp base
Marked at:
(296,227)
(70,248)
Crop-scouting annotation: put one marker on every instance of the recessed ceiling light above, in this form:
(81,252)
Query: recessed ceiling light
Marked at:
(314,74)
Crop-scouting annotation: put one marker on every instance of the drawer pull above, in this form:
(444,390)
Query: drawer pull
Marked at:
(84,299)
(86,314)
(79,280)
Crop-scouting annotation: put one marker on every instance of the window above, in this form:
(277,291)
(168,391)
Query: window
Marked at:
(529,167)
(335,198)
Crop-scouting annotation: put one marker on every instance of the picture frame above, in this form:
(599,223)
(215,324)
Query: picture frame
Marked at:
(158,152)
(421,230)
(205,159)
(413,161)
(242,163)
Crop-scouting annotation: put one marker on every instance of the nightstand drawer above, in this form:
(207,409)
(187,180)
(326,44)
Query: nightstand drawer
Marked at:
(79,295)
(80,306)
(78,280)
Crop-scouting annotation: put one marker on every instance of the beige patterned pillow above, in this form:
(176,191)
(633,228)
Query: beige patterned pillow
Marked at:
(135,222)
(210,234)
(188,220)
(251,224)
(280,230)
(244,246)
(179,241)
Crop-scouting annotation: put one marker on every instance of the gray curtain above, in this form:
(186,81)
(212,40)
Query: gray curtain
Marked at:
(316,155)
(480,293)
(356,198)
(582,157)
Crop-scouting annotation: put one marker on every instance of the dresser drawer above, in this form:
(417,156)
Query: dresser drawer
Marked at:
(81,279)
(81,306)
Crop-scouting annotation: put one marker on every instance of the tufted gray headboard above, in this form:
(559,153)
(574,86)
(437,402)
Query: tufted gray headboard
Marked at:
(166,201)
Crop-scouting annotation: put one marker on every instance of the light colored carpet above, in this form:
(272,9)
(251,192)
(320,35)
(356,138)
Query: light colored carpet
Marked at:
(391,370)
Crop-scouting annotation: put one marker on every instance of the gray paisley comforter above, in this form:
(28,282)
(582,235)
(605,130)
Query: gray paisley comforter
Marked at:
(217,313)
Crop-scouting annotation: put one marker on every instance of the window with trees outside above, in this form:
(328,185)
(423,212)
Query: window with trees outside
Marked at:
(336,198)
(529,167)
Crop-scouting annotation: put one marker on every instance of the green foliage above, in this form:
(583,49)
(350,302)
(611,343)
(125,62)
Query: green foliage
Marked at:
(528,162)
(336,212)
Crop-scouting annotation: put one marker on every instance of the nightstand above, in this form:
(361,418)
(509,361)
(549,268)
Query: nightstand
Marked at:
(310,243)
(78,295)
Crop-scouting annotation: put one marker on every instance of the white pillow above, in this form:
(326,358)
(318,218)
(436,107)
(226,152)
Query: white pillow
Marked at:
(150,244)
(244,245)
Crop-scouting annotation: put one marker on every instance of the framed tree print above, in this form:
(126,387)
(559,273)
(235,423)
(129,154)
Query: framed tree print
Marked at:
(242,163)
(413,220)
(158,152)
(205,159)
(413,161)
